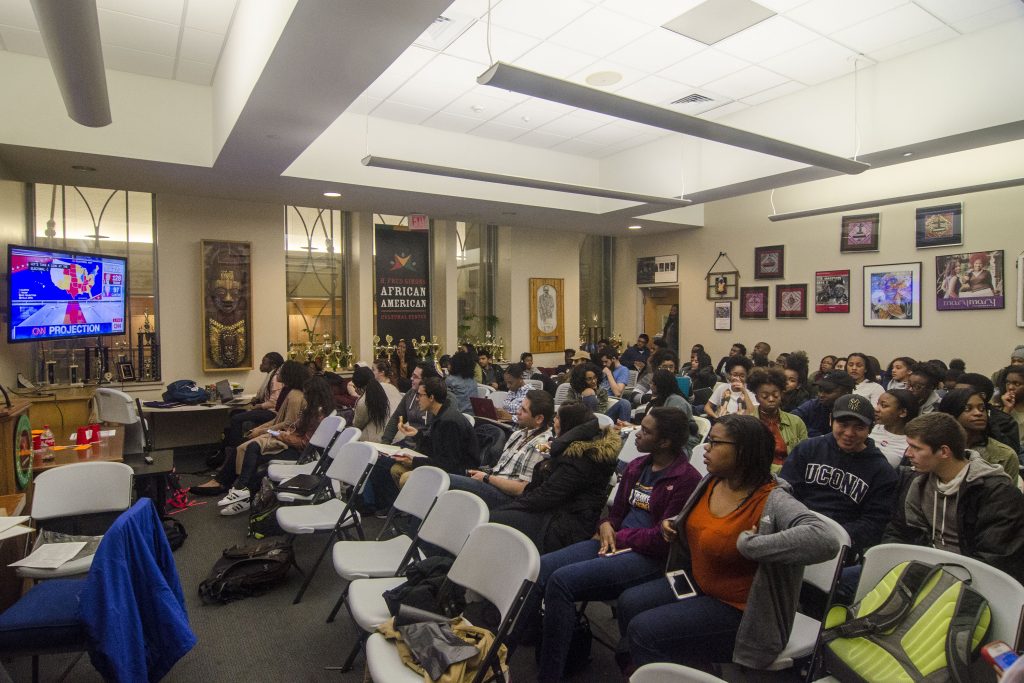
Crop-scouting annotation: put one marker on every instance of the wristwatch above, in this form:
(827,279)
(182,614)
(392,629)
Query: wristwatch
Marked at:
(487,478)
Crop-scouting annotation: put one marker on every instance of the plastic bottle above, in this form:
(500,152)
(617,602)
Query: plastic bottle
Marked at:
(47,442)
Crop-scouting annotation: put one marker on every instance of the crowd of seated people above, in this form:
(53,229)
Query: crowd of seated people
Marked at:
(919,453)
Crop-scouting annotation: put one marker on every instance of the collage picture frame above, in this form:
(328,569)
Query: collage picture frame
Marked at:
(892,295)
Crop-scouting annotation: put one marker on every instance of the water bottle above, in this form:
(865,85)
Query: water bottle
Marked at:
(47,442)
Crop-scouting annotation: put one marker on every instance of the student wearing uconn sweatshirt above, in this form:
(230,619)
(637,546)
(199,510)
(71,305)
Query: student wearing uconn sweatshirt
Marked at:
(955,500)
(844,476)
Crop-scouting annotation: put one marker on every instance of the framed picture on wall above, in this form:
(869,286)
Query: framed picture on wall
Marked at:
(226,305)
(892,295)
(860,233)
(970,281)
(790,301)
(832,291)
(753,303)
(723,315)
(940,226)
(722,285)
(547,328)
(769,262)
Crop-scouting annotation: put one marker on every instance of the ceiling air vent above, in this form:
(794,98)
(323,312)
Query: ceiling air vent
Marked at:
(691,99)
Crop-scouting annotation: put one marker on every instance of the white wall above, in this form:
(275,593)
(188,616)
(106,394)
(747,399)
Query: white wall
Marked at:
(15,357)
(991,221)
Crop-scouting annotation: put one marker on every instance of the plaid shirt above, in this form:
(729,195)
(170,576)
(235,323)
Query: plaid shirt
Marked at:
(521,454)
(514,400)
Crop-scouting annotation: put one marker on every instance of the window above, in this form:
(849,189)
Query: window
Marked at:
(597,255)
(476,254)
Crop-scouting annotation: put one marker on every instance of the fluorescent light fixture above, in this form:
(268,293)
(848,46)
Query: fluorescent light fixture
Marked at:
(525,82)
(636,227)
(332,194)
(520,181)
(902,199)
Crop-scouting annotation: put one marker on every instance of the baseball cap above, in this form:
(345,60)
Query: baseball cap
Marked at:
(581,355)
(836,379)
(1018,352)
(853,405)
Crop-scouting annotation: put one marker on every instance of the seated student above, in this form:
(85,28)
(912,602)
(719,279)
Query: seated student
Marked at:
(635,357)
(460,381)
(263,405)
(956,500)
(797,391)
(1011,398)
(787,429)
(702,375)
(1002,426)
(825,366)
(403,362)
(969,407)
(923,381)
(899,372)
(515,380)
(663,359)
(568,361)
(844,476)
(859,368)
(563,501)
(529,372)
(449,441)
(286,443)
(737,350)
(817,413)
(408,409)
(653,488)
(614,378)
(583,388)
(376,403)
(514,470)
(895,409)
(732,396)
(490,372)
(744,541)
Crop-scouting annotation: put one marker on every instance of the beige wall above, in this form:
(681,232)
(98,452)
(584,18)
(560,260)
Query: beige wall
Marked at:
(15,357)
(991,219)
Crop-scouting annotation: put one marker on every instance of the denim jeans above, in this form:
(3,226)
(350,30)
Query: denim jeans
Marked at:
(618,409)
(661,628)
(489,494)
(574,574)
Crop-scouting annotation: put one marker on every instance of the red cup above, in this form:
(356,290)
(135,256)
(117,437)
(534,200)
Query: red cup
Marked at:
(95,437)
(84,435)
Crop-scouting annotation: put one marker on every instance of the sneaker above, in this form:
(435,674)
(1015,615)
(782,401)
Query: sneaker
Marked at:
(381,514)
(234,495)
(235,508)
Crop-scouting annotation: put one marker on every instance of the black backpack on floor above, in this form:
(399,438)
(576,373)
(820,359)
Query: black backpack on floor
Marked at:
(247,570)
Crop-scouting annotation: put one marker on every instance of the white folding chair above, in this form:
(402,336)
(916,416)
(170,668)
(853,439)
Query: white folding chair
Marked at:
(117,407)
(471,419)
(498,398)
(483,390)
(350,467)
(326,433)
(634,375)
(535,383)
(319,467)
(372,559)
(666,672)
(697,459)
(604,421)
(806,633)
(454,517)
(76,490)
(561,393)
(703,427)
(499,563)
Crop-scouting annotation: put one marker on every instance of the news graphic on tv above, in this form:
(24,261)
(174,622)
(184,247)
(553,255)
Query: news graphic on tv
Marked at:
(63,294)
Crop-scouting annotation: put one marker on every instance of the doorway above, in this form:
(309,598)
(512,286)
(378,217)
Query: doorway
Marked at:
(656,304)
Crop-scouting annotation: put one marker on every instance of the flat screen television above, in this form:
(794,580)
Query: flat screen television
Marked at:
(56,294)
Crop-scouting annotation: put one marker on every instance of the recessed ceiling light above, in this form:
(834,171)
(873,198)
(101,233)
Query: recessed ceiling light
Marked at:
(635,227)
(603,78)
(908,154)
(78,167)
(332,194)
(478,108)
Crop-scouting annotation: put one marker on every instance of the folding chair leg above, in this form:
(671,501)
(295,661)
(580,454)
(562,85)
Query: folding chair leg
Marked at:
(35,668)
(337,605)
(312,570)
(347,666)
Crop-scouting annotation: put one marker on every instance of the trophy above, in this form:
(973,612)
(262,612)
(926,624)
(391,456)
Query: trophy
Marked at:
(376,346)
(434,348)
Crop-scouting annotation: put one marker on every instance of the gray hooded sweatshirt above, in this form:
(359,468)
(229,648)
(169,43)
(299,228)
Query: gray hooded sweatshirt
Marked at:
(789,537)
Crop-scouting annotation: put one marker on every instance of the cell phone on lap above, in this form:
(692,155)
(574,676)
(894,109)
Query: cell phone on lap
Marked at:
(681,584)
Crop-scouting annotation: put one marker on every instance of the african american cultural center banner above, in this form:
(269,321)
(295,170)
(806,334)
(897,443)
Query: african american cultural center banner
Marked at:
(402,282)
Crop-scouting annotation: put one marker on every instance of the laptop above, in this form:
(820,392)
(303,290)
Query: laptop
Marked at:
(227,397)
(484,407)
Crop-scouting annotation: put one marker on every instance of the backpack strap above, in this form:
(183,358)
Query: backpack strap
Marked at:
(892,610)
(970,606)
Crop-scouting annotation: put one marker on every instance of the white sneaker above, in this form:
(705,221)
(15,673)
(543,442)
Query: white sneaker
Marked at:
(234,495)
(235,508)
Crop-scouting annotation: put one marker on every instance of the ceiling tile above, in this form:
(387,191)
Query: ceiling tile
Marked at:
(939,35)
(955,10)
(397,111)
(362,106)
(535,138)
(743,83)
(829,16)
(532,113)
(200,46)
(210,15)
(656,50)
(537,18)
(407,64)
(168,11)
(889,28)
(774,93)
(575,123)
(703,67)
(200,73)
(451,122)
(506,46)
(554,60)
(764,40)
(478,106)
(999,15)
(815,62)
(138,62)
(652,12)
(23,40)
(724,110)
(18,13)
(135,33)
(632,143)
(599,32)
(498,131)
(656,90)
(579,148)
(610,134)
(781,6)
(439,82)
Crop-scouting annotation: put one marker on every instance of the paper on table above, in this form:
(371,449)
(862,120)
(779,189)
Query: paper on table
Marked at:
(13,531)
(50,555)
(107,432)
(8,522)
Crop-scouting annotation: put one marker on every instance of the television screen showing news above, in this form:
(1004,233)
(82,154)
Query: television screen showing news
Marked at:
(59,294)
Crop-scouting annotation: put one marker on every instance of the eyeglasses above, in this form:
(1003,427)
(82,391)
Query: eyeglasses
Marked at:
(711,442)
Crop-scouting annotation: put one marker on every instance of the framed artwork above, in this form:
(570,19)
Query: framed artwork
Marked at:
(723,315)
(769,262)
(1020,291)
(940,226)
(969,281)
(656,270)
(547,328)
(723,285)
(892,295)
(226,305)
(790,301)
(832,291)
(860,233)
(125,372)
(753,303)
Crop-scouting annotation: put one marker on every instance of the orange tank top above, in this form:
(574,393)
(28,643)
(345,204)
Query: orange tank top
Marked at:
(718,567)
